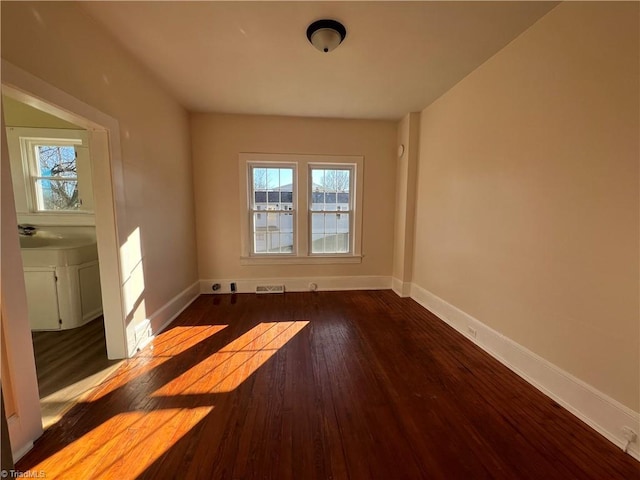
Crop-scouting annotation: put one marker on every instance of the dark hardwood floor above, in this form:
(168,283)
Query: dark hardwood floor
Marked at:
(359,385)
(69,363)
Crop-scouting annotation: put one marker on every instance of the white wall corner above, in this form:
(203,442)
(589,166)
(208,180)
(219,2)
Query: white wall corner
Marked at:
(402,289)
(601,412)
(299,284)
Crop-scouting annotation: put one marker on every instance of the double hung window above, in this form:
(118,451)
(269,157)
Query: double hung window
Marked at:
(273,209)
(330,209)
(54,175)
(51,173)
(301,208)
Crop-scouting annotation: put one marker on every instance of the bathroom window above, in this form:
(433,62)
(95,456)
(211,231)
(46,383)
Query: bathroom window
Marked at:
(51,174)
(327,189)
(54,174)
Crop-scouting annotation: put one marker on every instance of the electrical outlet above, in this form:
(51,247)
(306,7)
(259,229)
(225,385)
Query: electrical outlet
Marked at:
(471,331)
(629,434)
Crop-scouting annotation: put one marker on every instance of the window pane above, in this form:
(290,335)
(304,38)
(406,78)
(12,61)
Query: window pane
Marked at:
(260,243)
(272,188)
(259,178)
(330,233)
(286,222)
(57,194)
(330,189)
(317,243)
(286,243)
(273,232)
(56,161)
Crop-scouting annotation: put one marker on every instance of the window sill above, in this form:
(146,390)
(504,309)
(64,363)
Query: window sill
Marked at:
(300,260)
(58,218)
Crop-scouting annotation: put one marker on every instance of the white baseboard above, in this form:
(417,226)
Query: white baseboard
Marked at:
(402,289)
(601,412)
(166,314)
(299,284)
(163,317)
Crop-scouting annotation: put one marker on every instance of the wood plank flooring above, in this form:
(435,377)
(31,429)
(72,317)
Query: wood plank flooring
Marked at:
(341,385)
(69,363)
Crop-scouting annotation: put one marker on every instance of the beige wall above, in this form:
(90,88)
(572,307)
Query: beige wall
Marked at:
(218,139)
(59,43)
(528,199)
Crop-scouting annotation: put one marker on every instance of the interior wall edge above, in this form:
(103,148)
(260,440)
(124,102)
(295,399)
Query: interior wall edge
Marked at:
(602,413)
(402,289)
(19,452)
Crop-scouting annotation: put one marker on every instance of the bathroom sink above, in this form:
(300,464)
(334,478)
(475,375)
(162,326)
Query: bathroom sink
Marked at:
(34,242)
(42,250)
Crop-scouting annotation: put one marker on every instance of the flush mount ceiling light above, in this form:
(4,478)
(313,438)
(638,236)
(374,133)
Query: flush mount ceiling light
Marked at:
(326,35)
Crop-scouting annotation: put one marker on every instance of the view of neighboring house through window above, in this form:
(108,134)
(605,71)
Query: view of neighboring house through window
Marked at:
(273,209)
(330,209)
(55,177)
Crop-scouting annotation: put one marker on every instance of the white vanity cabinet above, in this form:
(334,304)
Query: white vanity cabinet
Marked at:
(63,297)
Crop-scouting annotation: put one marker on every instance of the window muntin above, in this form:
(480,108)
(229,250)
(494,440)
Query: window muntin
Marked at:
(330,209)
(272,209)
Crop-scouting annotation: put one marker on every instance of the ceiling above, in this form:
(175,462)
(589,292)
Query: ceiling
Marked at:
(253,57)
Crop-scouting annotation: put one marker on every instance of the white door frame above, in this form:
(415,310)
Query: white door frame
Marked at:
(106,158)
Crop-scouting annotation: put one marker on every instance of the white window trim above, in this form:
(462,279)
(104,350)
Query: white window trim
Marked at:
(28,146)
(352,188)
(20,141)
(302,171)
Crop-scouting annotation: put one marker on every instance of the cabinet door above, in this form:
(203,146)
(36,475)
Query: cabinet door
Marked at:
(42,299)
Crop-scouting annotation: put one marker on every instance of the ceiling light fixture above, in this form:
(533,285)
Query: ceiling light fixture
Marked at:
(326,35)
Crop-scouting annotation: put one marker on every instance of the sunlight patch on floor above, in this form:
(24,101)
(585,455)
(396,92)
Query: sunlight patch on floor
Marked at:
(165,346)
(226,369)
(180,339)
(136,440)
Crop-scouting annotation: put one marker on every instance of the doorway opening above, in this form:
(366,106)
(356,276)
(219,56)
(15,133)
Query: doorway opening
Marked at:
(51,172)
(20,388)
